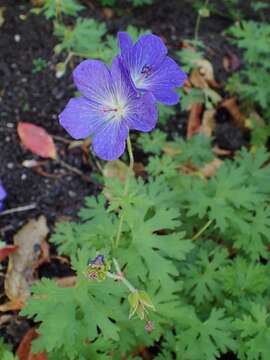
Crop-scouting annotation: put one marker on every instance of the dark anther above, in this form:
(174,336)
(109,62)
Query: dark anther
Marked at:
(146,70)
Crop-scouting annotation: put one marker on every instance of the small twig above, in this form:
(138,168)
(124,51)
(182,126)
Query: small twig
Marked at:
(62,139)
(202,230)
(18,209)
(73,169)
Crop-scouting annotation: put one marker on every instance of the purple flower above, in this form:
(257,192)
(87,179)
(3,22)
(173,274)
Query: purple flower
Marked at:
(150,68)
(108,108)
(3,195)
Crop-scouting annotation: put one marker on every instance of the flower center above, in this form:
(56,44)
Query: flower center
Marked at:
(146,71)
(115,111)
(140,77)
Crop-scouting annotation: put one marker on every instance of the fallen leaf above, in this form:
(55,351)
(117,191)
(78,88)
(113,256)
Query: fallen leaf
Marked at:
(67,281)
(108,13)
(208,122)
(231,62)
(221,152)
(170,150)
(187,45)
(24,351)
(194,120)
(114,169)
(210,168)
(197,80)
(36,139)
(232,107)
(202,76)
(5,318)
(6,251)
(188,169)
(13,305)
(20,267)
(44,255)
(205,69)
(139,169)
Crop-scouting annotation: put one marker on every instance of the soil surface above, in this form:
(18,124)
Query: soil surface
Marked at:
(58,192)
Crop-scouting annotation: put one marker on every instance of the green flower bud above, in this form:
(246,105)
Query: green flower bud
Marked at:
(140,303)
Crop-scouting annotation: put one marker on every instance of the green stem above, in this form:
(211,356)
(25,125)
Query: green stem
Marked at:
(120,277)
(198,22)
(123,280)
(197,26)
(202,230)
(127,183)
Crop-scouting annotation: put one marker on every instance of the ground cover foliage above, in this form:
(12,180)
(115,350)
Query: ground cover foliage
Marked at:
(210,290)
(185,250)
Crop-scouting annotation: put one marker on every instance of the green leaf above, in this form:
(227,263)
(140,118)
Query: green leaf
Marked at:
(54,8)
(244,279)
(254,332)
(207,339)
(202,279)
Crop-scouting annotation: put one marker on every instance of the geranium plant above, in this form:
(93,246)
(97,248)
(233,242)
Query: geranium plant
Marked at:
(173,261)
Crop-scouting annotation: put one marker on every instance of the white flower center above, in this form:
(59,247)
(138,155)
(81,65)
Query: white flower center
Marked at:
(116,108)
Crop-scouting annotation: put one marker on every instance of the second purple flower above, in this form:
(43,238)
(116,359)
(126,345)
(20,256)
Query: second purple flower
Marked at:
(149,67)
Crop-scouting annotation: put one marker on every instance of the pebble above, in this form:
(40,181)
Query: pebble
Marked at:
(10,166)
(10,125)
(17,38)
(72,194)
(24,177)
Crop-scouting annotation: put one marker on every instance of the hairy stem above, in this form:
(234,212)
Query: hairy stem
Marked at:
(126,188)
(120,277)
(202,230)
(197,26)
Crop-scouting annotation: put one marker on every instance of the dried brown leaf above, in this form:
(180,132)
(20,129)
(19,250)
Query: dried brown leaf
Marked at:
(231,62)
(13,305)
(210,168)
(67,281)
(114,169)
(20,267)
(208,122)
(232,107)
(6,251)
(24,351)
(170,150)
(108,13)
(197,80)
(194,120)
(221,152)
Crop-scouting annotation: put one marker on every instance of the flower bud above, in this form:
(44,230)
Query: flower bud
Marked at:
(139,302)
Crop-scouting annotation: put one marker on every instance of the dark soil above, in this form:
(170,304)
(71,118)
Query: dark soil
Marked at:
(41,97)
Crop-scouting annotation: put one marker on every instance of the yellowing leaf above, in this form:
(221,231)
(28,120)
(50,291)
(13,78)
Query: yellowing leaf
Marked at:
(114,169)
